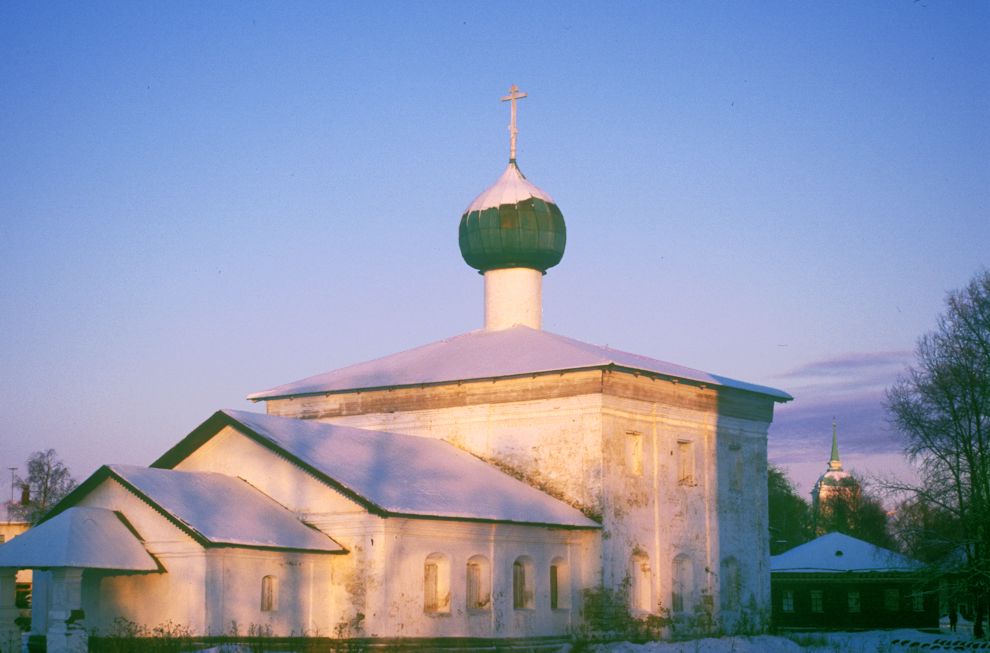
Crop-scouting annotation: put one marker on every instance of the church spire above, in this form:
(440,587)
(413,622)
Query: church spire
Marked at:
(834,464)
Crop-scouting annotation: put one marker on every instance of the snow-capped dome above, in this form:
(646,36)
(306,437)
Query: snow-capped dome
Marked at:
(512,224)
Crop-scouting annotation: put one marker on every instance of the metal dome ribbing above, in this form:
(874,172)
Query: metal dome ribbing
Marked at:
(512,224)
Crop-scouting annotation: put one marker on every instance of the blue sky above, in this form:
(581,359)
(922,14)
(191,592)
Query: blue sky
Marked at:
(201,200)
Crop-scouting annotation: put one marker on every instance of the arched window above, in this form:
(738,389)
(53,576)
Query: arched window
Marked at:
(479,583)
(523,596)
(640,582)
(682,584)
(560,585)
(269,594)
(730,584)
(436,583)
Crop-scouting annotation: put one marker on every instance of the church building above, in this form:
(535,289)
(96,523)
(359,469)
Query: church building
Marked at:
(486,487)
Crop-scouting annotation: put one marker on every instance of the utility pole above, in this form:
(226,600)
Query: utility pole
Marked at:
(12,485)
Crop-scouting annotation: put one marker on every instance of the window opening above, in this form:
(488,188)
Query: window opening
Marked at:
(479,589)
(269,594)
(685,462)
(522,584)
(436,583)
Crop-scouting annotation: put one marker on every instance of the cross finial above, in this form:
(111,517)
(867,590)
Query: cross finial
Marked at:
(513,95)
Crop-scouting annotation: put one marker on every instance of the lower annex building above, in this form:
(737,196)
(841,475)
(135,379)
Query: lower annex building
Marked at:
(482,487)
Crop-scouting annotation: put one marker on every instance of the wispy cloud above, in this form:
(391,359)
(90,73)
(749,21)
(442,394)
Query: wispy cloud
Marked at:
(849,388)
(852,363)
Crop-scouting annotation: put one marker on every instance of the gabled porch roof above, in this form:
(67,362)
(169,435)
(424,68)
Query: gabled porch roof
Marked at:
(79,537)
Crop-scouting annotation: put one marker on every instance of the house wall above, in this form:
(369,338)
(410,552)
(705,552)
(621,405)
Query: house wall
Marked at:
(385,581)
(835,610)
(303,602)
(570,433)
(153,598)
(377,588)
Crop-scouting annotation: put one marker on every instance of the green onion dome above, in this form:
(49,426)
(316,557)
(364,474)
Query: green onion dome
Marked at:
(513,224)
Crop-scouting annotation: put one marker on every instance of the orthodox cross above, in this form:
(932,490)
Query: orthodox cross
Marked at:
(513,95)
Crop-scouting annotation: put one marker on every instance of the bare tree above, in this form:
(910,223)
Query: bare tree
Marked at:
(942,407)
(47,481)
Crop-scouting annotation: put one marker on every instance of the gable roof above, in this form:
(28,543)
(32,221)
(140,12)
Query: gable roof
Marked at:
(390,473)
(837,552)
(214,509)
(486,354)
(83,537)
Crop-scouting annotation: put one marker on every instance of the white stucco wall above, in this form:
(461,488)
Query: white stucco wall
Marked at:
(576,448)
(555,443)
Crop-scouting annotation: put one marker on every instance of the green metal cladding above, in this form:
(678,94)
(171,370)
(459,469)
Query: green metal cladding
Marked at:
(527,234)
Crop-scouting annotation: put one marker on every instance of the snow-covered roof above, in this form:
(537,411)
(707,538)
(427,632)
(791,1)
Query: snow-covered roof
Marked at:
(484,354)
(837,552)
(84,537)
(510,188)
(392,473)
(223,510)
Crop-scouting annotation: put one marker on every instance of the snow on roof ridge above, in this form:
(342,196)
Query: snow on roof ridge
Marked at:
(417,475)
(483,354)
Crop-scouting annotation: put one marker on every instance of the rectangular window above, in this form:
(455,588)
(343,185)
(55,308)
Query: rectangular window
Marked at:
(522,585)
(634,453)
(431,579)
(474,586)
(917,601)
(787,601)
(685,462)
(852,602)
(817,604)
(891,600)
(554,597)
(269,594)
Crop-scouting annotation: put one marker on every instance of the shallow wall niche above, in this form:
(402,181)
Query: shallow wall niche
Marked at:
(479,583)
(682,584)
(436,583)
(730,584)
(523,584)
(560,584)
(640,582)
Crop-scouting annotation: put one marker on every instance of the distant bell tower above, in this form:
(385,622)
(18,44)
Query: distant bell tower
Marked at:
(512,233)
(835,484)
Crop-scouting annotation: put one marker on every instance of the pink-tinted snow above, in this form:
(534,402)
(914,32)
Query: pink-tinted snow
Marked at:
(404,474)
(875,641)
(510,188)
(836,552)
(486,354)
(83,537)
(224,509)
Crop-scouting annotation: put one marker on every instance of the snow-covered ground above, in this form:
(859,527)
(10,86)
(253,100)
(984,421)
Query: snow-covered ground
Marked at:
(874,641)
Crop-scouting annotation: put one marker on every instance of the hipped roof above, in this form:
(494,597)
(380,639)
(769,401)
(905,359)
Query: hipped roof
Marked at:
(392,474)
(485,354)
(837,553)
(80,537)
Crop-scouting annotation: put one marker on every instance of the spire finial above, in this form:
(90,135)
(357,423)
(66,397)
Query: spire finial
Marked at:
(513,95)
(834,463)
